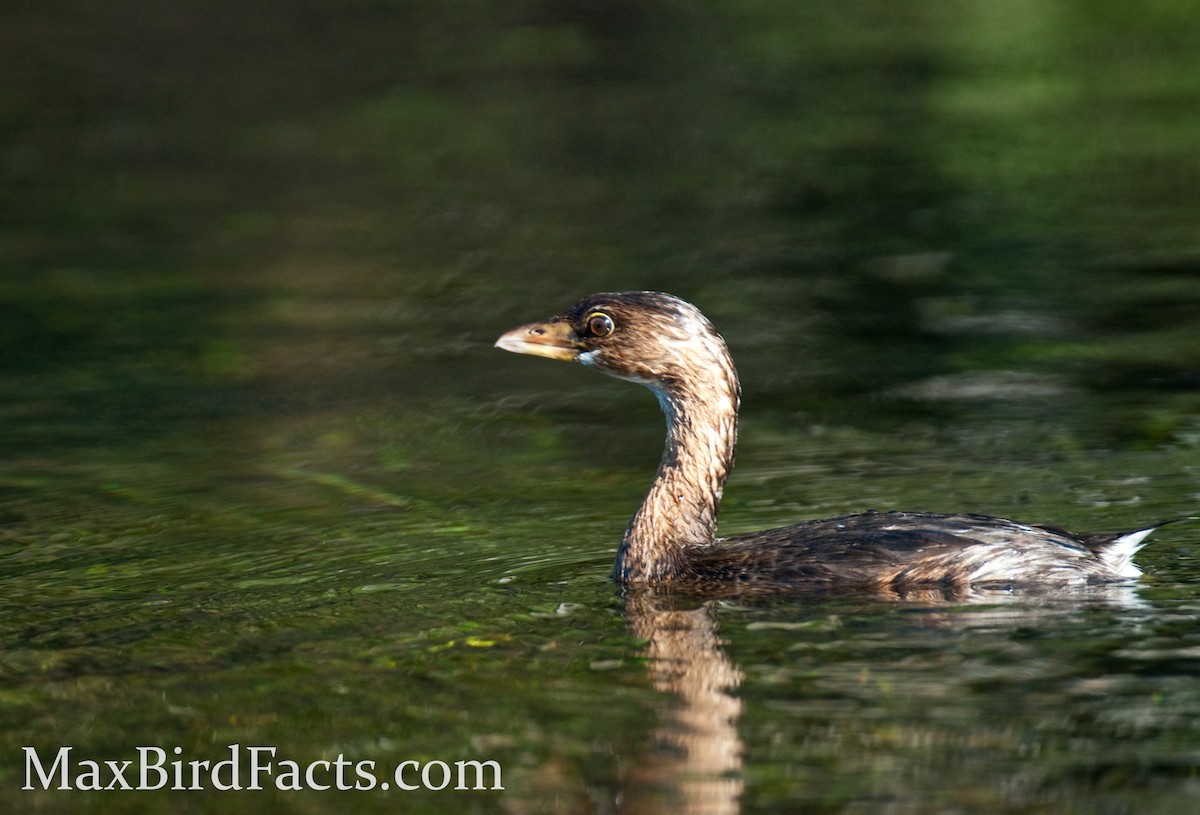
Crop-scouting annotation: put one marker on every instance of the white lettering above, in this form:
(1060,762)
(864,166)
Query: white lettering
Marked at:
(312,782)
(197,768)
(478,765)
(365,770)
(289,776)
(148,766)
(118,771)
(33,762)
(400,782)
(445,775)
(177,766)
(263,770)
(341,764)
(232,764)
(257,769)
(89,779)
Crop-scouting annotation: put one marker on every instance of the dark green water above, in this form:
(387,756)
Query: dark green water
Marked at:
(264,480)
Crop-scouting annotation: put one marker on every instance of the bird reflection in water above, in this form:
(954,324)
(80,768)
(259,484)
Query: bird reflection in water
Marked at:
(698,757)
(696,762)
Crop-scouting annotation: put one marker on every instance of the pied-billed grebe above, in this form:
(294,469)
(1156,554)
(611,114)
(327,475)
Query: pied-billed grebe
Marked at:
(666,344)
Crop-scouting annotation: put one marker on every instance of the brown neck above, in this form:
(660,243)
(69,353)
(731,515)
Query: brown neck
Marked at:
(680,511)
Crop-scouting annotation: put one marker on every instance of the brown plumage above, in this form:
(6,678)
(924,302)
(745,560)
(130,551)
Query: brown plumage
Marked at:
(666,344)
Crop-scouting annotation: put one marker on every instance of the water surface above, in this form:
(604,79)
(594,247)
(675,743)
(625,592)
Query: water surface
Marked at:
(264,481)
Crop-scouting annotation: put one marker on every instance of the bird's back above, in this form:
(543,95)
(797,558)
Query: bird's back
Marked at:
(907,550)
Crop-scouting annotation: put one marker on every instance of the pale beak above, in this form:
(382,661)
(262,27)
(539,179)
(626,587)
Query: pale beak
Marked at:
(553,340)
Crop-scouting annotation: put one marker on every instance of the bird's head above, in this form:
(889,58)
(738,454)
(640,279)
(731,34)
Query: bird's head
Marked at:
(651,338)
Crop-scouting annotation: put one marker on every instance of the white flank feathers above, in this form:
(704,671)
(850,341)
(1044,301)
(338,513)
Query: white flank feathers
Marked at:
(1118,555)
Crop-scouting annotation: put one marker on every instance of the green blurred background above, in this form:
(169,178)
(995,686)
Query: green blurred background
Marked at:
(262,473)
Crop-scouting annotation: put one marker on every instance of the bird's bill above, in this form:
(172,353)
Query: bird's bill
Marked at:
(553,340)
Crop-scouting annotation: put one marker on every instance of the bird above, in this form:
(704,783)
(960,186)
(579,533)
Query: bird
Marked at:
(666,344)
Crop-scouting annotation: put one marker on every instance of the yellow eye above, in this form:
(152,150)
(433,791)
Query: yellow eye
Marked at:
(598,324)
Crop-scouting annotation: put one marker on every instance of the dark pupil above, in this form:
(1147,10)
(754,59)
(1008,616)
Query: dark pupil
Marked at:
(600,326)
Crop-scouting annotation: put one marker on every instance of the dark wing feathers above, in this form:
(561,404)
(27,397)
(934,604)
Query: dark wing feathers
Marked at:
(885,548)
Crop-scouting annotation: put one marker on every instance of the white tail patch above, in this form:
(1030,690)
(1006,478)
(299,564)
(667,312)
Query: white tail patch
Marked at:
(1118,555)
